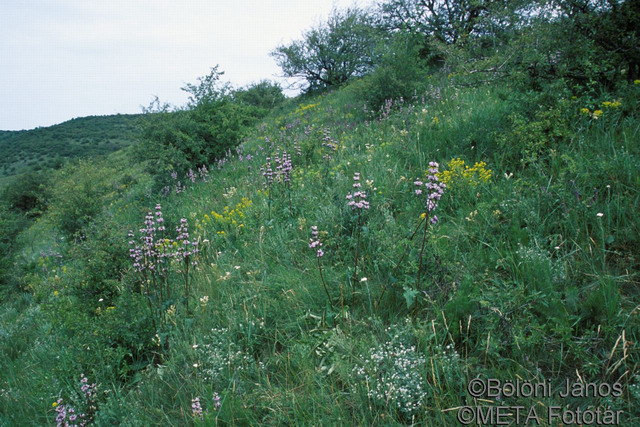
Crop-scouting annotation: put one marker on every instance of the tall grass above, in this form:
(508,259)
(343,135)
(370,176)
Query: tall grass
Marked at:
(532,274)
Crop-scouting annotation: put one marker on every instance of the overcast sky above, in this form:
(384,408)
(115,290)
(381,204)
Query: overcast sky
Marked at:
(61,59)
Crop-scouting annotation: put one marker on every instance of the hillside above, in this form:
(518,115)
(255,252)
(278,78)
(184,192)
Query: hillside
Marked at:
(529,271)
(49,147)
(445,234)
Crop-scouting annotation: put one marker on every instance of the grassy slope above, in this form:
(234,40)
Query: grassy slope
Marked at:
(80,137)
(523,278)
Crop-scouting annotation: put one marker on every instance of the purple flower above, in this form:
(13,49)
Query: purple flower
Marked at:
(435,190)
(357,199)
(196,408)
(267,172)
(314,241)
(216,401)
(203,172)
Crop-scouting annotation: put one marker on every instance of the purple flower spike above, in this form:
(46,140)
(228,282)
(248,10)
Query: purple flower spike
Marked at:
(357,199)
(434,192)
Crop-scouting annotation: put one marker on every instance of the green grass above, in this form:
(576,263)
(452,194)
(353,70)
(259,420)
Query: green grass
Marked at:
(522,278)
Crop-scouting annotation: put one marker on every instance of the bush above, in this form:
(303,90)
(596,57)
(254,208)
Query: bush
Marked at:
(27,194)
(262,96)
(400,74)
(182,140)
(79,194)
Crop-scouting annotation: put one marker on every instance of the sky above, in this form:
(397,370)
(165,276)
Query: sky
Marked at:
(61,59)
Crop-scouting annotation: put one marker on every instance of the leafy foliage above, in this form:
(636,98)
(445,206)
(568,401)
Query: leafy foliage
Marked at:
(332,53)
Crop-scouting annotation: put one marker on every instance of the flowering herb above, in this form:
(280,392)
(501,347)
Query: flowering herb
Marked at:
(433,193)
(357,200)
(316,244)
(196,408)
(152,258)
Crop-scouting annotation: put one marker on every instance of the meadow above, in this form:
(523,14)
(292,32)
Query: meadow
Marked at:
(343,257)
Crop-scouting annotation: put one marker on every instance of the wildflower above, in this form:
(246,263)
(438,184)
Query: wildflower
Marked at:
(330,143)
(284,166)
(315,242)
(435,187)
(216,401)
(597,114)
(196,409)
(364,279)
(599,214)
(459,173)
(585,111)
(357,199)
(203,172)
(267,172)
(636,82)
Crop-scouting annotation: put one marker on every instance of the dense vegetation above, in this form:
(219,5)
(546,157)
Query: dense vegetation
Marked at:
(49,147)
(256,260)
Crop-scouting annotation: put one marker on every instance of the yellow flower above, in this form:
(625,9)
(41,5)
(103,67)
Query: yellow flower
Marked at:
(597,114)
(609,104)
(459,173)
(435,120)
(56,293)
(54,404)
(636,82)
(584,111)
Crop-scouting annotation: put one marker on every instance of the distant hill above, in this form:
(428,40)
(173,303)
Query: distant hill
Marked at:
(49,147)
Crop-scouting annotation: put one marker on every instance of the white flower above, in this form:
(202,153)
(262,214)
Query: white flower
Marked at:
(364,279)
(599,214)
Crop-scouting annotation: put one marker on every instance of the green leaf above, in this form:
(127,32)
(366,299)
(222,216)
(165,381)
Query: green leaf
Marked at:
(410,296)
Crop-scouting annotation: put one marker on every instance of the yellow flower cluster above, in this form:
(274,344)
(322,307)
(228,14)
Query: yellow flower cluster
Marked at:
(636,82)
(609,104)
(596,114)
(458,172)
(230,215)
(304,108)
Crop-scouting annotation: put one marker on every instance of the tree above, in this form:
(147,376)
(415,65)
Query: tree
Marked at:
(454,22)
(208,89)
(613,26)
(332,53)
